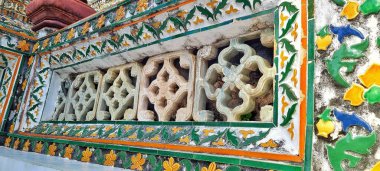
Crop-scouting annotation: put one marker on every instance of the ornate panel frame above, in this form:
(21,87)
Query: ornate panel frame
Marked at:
(280,140)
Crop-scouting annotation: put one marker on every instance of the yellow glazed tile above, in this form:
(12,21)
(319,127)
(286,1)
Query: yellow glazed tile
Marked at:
(371,76)
(376,167)
(355,95)
(325,128)
(350,10)
(323,42)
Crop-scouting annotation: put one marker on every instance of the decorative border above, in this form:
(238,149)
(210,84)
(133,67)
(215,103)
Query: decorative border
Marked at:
(12,61)
(292,41)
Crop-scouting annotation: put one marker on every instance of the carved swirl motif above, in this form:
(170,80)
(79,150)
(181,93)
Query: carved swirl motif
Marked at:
(236,79)
(83,97)
(170,92)
(119,94)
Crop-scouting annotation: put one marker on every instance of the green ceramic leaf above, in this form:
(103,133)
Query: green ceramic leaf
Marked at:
(219,7)
(152,160)
(324,31)
(204,11)
(245,3)
(288,7)
(339,2)
(289,92)
(339,60)
(256,2)
(289,25)
(189,16)
(233,168)
(131,38)
(186,164)
(325,116)
(123,157)
(231,138)
(99,156)
(288,68)
(177,23)
(289,115)
(378,42)
(370,7)
(254,139)
(372,95)
(77,153)
(359,144)
(288,45)
(195,136)
(151,30)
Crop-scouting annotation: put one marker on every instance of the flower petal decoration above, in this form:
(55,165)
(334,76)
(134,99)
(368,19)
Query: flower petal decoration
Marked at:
(354,94)
(373,94)
(23,45)
(323,42)
(350,10)
(371,75)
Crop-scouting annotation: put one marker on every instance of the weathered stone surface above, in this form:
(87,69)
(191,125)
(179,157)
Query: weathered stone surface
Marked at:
(168,84)
(83,97)
(59,112)
(119,93)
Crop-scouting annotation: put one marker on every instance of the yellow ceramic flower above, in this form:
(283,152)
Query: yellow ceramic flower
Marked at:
(7,142)
(206,132)
(245,133)
(176,129)
(35,47)
(170,165)
(284,105)
(283,58)
(23,45)
(171,29)
(71,34)
(283,18)
(45,43)
(26,146)
(12,128)
(17,142)
(52,149)
(211,167)
(294,32)
(101,21)
(376,167)
(182,14)
(291,130)
(137,162)
(355,95)
(110,159)
(325,128)
(68,151)
(57,38)
(38,148)
(142,5)
(156,24)
(294,77)
(371,76)
(133,136)
(323,42)
(86,28)
(147,36)
(350,10)
(232,10)
(198,20)
(86,155)
(220,142)
(269,144)
(185,139)
(30,61)
(212,3)
(155,138)
(120,13)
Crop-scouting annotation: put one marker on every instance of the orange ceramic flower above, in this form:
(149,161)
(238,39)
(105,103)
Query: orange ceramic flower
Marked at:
(68,152)
(170,165)
(86,155)
(26,146)
(7,142)
(101,21)
(355,95)
(38,148)
(137,162)
(142,5)
(110,158)
(323,42)
(120,13)
(211,167)
(16,143)
(350,10)
(198,20)
(371,76)
(52,149)
(269,144)
(231,10)
(245,133)
(57,38)
(71,34)
(185,139)
(86,28)
(23,45)
(35,47)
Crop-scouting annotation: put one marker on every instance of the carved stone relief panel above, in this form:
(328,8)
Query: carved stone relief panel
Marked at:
(119,93)
(167,87)
(234,83)
(59,111)
(83,97)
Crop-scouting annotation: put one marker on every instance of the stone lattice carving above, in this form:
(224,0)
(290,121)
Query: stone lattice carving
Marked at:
(61,102)
(228,81)
(83,97)
(119,93)
(168,86)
